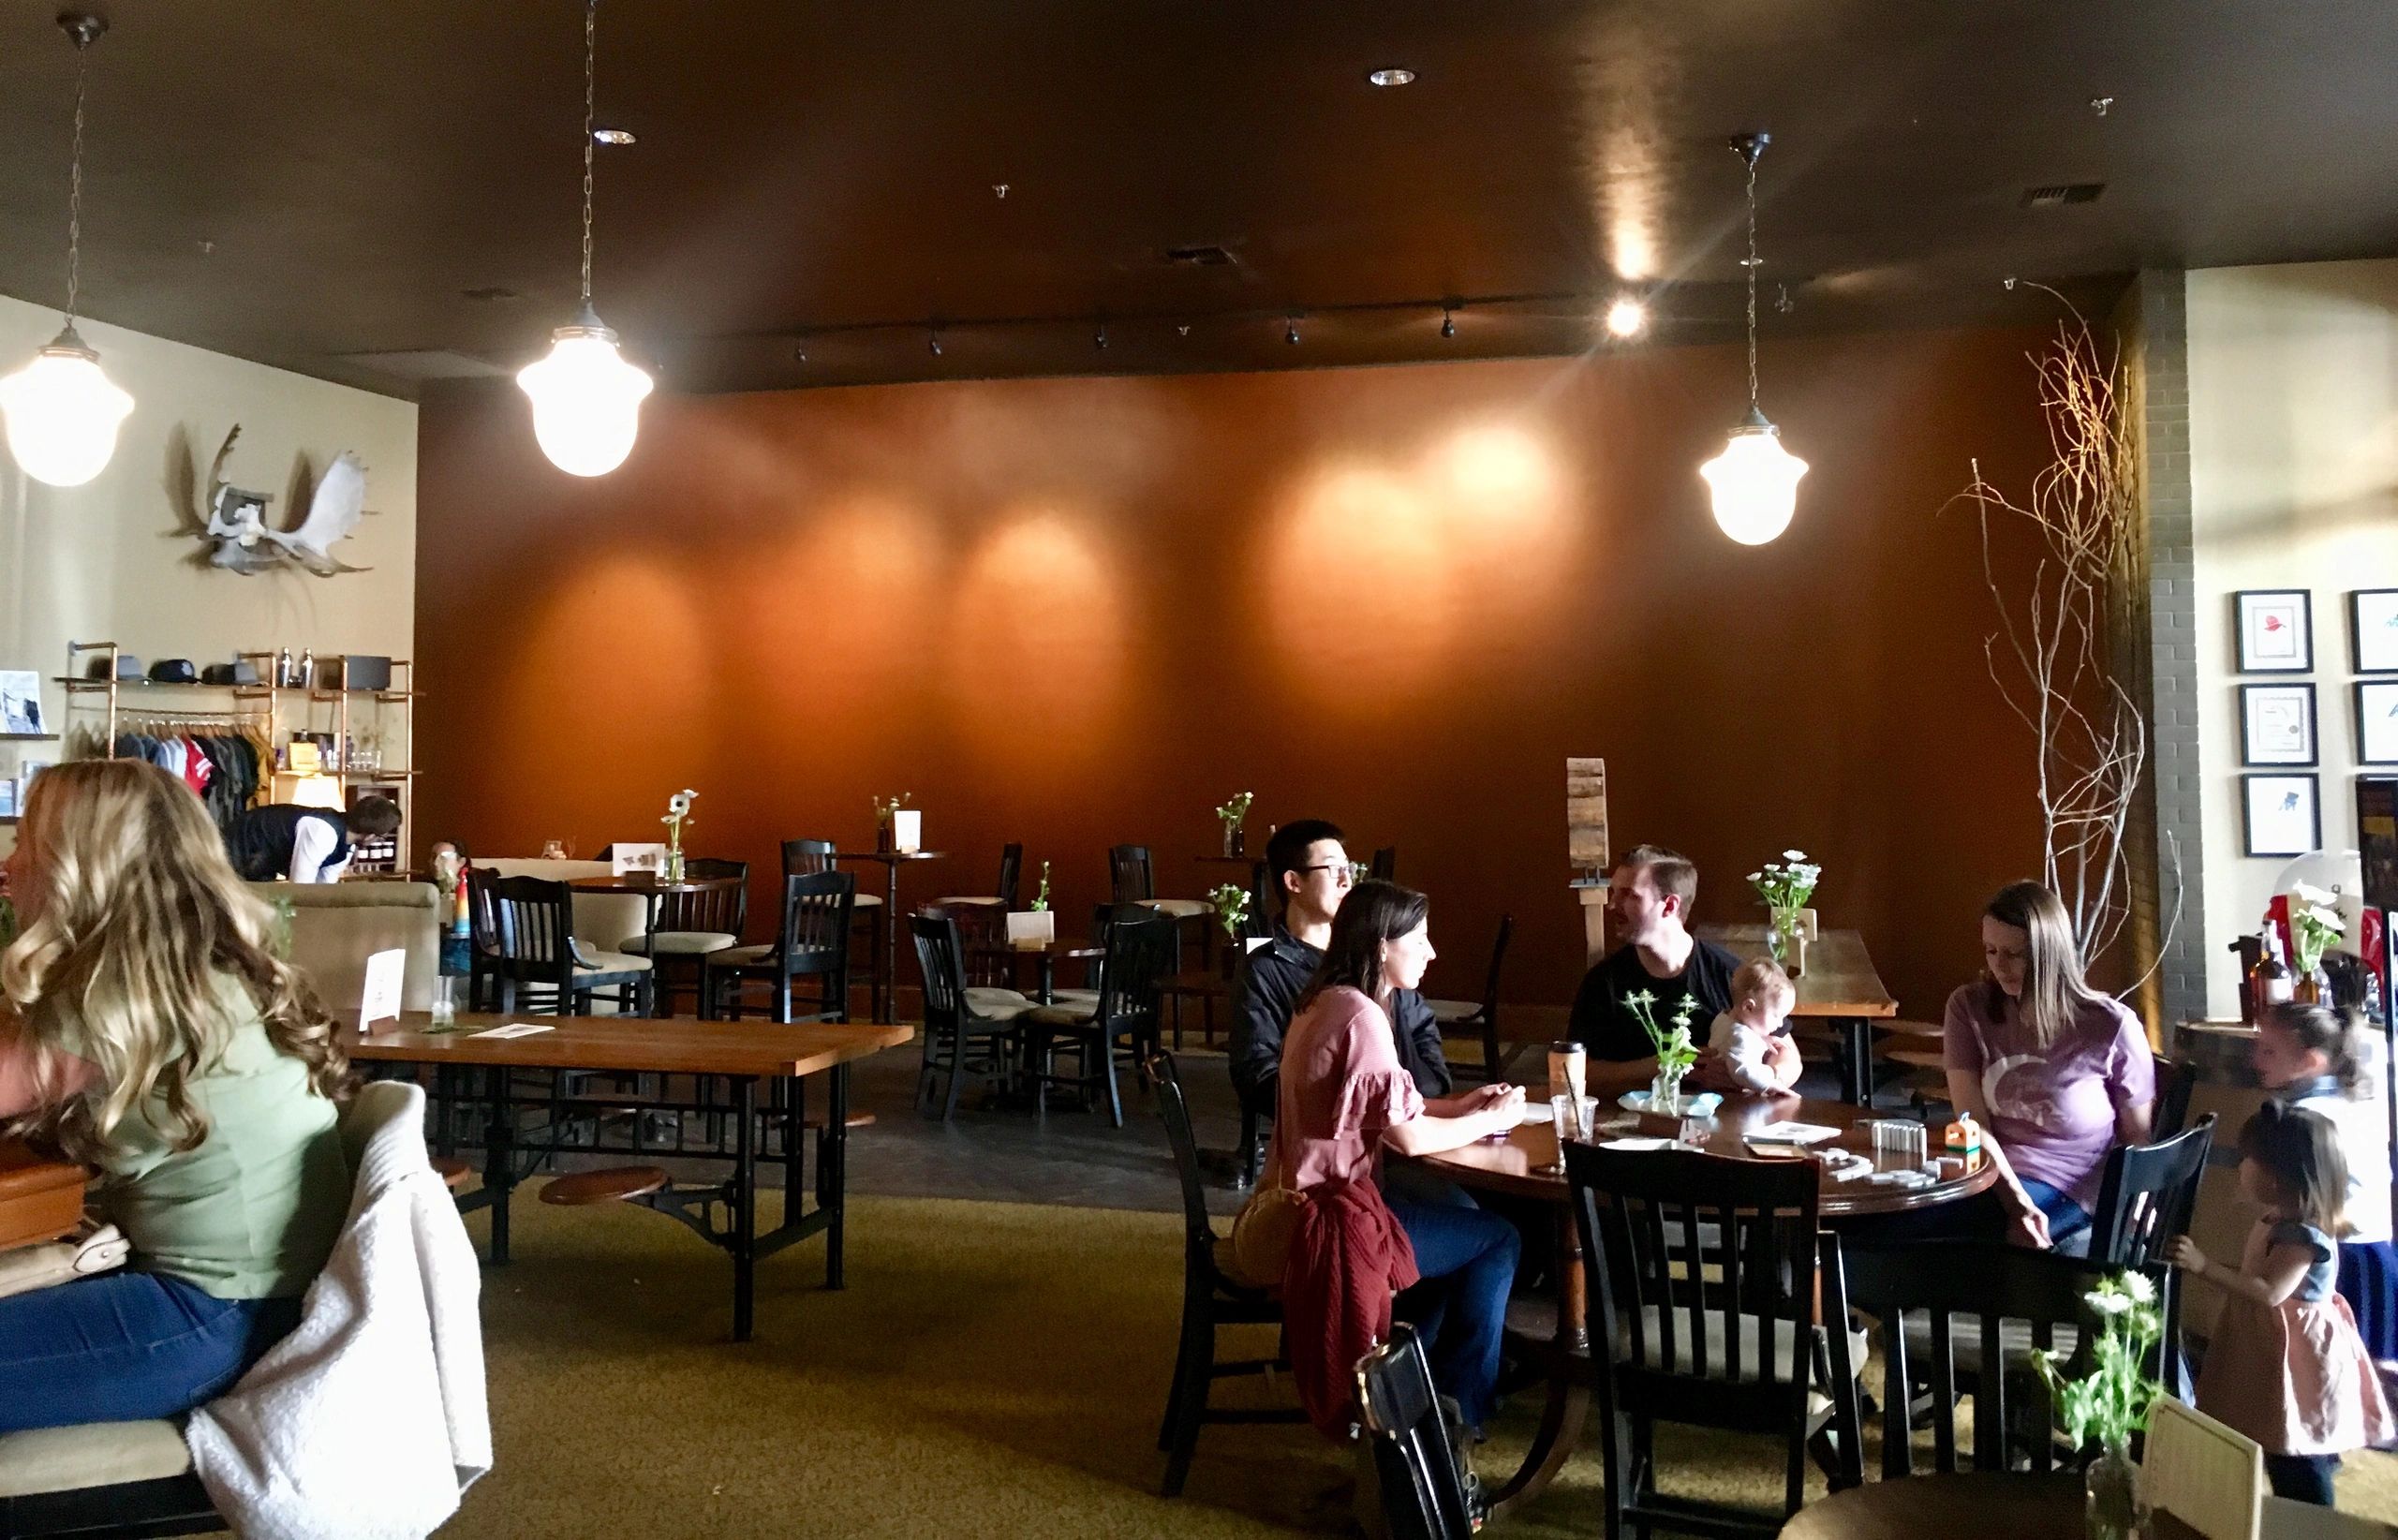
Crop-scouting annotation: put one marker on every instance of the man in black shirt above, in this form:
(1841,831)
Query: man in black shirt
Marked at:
(1306,865)
(1649,896)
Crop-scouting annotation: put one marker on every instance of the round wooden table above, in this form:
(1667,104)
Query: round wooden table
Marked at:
(892,861)
(651,888)
(1525,1165)
(1046,955)
(2022,1507)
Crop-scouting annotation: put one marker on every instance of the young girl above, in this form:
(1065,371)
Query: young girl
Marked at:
(2286,1365)
(1754,1036)
(2308,1057)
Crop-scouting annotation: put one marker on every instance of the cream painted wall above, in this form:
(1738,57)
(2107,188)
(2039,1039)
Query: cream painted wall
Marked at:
(2294,484)
(105,562)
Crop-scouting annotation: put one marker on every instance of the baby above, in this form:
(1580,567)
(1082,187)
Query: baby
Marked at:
(1752,1037)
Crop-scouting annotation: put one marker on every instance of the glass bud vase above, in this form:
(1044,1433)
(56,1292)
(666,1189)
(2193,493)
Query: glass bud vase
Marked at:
(2311,988)
(2112,1509)
(1786,939)
(1666,1096)
(1235,838)
(673,871)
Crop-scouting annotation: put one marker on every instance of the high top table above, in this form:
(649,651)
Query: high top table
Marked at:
(1837,988)
(744,1053)
(892,861)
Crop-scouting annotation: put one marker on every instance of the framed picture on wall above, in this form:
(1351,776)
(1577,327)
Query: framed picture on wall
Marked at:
(2373,629)
(2276,631)
(2277,724)
(2280,815)
(2377,721)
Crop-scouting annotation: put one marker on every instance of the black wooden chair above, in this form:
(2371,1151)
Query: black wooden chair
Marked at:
(1424,1496)
(2147,1197)
(687,928)
(805,858)
(2174,1082)
(1481,1017)
(1704,1277)
(2002,1303)
(1121,1019)
(1010,877)
(1385,866)
(537,967)
(962,1040)
(811,942)
(1210,1298)
(1265,904)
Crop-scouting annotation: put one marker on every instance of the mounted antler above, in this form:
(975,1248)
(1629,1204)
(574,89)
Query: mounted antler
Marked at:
(216,473)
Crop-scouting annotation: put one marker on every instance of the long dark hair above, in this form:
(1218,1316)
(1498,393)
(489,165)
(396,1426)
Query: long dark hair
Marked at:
(1374,912)
(2301,1150)
(2329,1033)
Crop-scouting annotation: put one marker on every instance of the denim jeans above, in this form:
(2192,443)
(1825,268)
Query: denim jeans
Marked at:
(1467,1257)
(2068,1223)
(126,1346)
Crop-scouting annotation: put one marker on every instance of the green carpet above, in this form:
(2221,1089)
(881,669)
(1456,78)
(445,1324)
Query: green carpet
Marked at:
(991,1370)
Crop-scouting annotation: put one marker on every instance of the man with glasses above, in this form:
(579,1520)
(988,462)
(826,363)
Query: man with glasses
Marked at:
(1308,866)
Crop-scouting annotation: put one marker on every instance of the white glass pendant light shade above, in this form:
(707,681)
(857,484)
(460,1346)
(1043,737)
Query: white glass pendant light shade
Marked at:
(63,413)
(586,399)
(1755,482)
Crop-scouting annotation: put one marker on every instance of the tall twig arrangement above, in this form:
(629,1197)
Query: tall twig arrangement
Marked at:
(2049,655)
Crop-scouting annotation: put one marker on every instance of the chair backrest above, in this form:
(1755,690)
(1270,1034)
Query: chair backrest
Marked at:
(1128,877)
(532,925)
(1265,904)
(1705,1272)
(938,958)
(1978,1288)
(1011,873)
(2173,1084)
(814,937)
(1423,1497)
(1385,867)
(982,932)
(806,857)
(2147,1196)
(1199,1235)
(724,910)
(1497,959)
(1139,953)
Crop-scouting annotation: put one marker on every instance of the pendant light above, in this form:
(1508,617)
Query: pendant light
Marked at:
(63,412)
(1755,480)
(586,399)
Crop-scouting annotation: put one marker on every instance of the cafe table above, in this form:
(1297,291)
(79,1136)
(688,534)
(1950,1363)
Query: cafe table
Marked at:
(1838,989)
(651,887)
(41,1199)
(2022,1506)
(892,861)
(748,1055)
(1525,1165)
(1044,953)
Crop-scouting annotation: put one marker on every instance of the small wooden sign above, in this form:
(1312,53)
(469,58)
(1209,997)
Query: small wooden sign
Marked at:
(1586,817)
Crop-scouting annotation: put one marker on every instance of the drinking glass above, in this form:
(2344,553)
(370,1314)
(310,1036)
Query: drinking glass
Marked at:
(1566,1118)
(445,999)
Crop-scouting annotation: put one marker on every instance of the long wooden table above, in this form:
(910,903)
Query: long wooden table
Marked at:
(2023,1506)
(741,1053)
(41,1199)
(1837,989)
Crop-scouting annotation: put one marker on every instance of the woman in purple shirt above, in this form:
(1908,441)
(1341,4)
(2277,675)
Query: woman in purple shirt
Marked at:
(2056,1072)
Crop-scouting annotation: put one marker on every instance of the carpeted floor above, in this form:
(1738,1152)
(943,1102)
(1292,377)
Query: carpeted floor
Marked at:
(992,1370)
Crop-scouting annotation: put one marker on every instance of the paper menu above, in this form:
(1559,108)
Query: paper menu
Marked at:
(380,998)
(514,1029)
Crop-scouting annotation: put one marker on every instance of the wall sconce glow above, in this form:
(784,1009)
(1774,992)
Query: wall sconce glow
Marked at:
(63,413)
(586,399)
(1627,317)
(1755,482)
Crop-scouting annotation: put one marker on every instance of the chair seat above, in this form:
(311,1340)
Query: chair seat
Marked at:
(96,1454)
(997,1004)
(1452,1011)
(600,963)
(740,957)
(1965,1343)
(616,1184)
(1181,909)
(866,901)
(680,943)
(1068,1014)
(1085,1000)
(1718,1365)
(970,898)
(454,1173)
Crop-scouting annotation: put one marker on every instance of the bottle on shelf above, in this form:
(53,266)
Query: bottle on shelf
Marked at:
(282,666)
(2278,986)
(307,679)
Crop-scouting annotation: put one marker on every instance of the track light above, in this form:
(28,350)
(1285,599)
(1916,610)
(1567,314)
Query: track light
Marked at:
(1291,331)
(1627,317)
(1448,323)
(1100,340)
(932,343)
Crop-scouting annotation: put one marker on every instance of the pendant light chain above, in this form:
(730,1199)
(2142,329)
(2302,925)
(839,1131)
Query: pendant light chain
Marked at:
(590,53)
(1749,154)
(75,185)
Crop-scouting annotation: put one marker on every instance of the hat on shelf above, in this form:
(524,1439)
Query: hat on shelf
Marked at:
(173,670)
(242,672)
(128,667)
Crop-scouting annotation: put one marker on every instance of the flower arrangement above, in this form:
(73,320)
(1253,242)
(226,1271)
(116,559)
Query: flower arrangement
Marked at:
(678,812)
(885,807)
(2315,925)
(1359,872)
(1231,907)
(1235,811)
(1676,1052)
(1787,886)
(1041,899)
(2110,1403)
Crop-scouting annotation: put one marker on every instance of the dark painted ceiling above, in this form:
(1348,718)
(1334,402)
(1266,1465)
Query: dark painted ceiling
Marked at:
(330,186)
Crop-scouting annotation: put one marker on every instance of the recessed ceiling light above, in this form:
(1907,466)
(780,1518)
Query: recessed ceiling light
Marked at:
(613,136)
(1391,77)
(1627,317)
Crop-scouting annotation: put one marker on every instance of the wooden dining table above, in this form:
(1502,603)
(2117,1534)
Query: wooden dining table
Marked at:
(1045,955)
(1525,1165)
(1838,990)
(2022,1506)
(781,1056)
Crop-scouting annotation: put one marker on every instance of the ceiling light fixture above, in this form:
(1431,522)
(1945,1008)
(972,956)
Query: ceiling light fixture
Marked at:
(1627,317)
(1448,321)
(614,136)
(1755,480)
(63,411)
(1099,340)
(1392,77)
(586,399)
(1291,330)
(932,343)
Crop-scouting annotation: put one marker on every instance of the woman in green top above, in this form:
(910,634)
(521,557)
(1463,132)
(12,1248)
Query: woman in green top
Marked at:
(146,1030)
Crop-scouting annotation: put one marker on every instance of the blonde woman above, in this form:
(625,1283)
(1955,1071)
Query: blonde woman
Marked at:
(146,1030)
(2055,1071)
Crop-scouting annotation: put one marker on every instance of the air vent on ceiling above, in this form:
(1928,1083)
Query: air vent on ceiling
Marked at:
(491,294)
(2058,194)
(1199,256)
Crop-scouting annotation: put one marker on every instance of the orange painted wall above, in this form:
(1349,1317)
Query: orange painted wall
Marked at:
(1078,612)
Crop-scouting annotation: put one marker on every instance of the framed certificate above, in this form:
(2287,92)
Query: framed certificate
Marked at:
(2275,628)
(2277,724)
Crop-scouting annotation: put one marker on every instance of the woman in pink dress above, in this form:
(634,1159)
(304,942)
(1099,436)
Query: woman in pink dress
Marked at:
(2285,1365)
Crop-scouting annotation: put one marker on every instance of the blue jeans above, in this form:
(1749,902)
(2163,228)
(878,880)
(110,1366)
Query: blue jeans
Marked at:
(1467,1257)
(2068,1223)
(126,1346)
